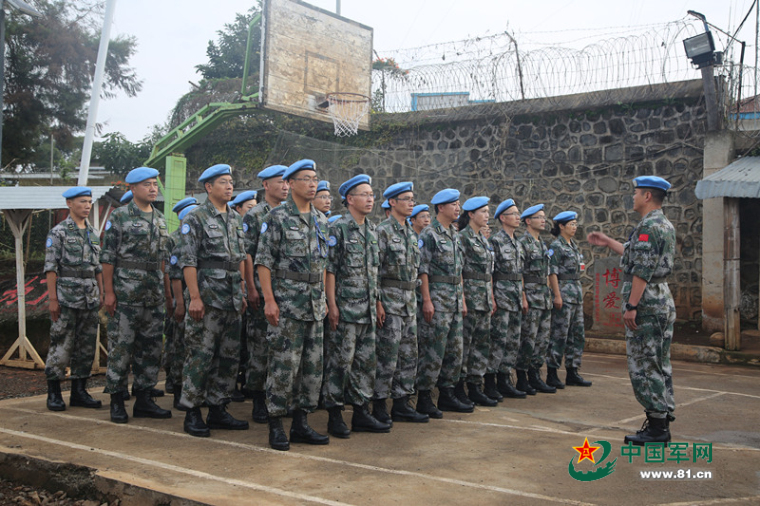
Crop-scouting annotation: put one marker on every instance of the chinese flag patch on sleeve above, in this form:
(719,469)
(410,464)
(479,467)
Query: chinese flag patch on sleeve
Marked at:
(643,237)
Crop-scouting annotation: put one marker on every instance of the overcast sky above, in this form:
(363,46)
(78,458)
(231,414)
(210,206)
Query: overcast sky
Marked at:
(172,36)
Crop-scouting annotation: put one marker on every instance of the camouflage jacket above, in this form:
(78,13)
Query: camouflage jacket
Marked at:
(508,259)
(131,240)
(478,261)
(536,264)
(353,261)
(252,227)
(66,247)
(441,255)
(208,240)
(567,260)
(172,266)
(399,260)
(649,253)
(288,243)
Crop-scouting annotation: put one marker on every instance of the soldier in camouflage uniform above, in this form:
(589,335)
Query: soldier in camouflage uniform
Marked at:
(536,323)
(510,304)
(276,191)
(443,307)
(291,260)
(567,335)
(75,288)
(397,311)
(478,292)
(649,311)
(211,256)
(134,249)
(420,218)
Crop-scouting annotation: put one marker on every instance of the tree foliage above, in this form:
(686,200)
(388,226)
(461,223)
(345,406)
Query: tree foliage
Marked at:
(117,154)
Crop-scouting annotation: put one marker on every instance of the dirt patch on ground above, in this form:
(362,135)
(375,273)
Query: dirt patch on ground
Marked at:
(26,383)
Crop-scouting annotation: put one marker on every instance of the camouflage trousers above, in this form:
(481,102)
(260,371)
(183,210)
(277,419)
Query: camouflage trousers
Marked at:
(351,364)
(134,337)
(648,351)
(476,346)
(294,366)
(534,339)
(177,351)
(72,343)
(567,336)
(258,352)
(170,326)
(505,340)
(440,351)
(396,357)
(212,352)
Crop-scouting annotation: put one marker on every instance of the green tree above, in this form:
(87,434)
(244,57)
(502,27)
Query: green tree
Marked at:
(119,155)
(226,56)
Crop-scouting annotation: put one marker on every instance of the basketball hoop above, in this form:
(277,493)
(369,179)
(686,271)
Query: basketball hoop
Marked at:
(346,111)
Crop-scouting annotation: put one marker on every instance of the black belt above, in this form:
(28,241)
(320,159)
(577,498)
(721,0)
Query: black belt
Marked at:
(659,279)
(219,264)
(397,283)
(533,279)
(451,280)
(476,275)
(569,277)
(73,272)
(502,276)
(142,266)
(308,277)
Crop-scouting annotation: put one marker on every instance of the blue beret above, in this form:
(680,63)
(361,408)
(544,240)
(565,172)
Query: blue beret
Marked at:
(323,186)
(186,211)
(300,165)
(418,209)
(353,183)
(183,204)
(397,189)
(565,216)
(273,171)
(503,207)
(385,204)
(475,203)
(652,182)
(328,213)
(445,196)
(333,218)
(126,198)
(220,169)
(531,211)
(77,191)
(140,174)
(243,197)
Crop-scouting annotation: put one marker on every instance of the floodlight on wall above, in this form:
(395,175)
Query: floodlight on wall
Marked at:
(700,49)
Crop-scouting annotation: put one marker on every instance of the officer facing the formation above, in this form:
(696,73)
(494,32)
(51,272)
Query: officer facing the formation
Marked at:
(75,288)
(211,256)
(443,307)
(536,323)
(275,192)
(352,300)
(478,292)
(649,311)
(134,249)
(291,261)
(510,303)
(397,311)
(420,217)
(567,335)
(323,200)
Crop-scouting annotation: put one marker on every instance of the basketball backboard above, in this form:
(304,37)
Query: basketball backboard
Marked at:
(308,52)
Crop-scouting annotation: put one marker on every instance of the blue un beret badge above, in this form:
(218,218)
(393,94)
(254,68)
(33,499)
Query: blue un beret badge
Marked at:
(420,243)
(264,227)
(49,242)
(332,241)
(108,225)
(185,228)
(245,227)
(173,260)
(549,252)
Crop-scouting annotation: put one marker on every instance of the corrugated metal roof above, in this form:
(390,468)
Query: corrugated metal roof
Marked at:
(740,179)
(40,197)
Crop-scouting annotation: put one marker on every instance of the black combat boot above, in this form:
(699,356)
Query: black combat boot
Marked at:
(194,424)
(506,388)
(259,412)
(118,413)
(300,432)
(654,430)
(277,438)
(534,378)
(219,418)
(552,379)
(54,398)
(425,405)
(380,412)
(145,407)
(523,384)
(490,389)
(403,412)
(237,395)
(574,379)
(461,394)
(363,421)
(478,397)
(177,396)
(125,394)
(80,397)
(154,392)
(447,401)
(335,424)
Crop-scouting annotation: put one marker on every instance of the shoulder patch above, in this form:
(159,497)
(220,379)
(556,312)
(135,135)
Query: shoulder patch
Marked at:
(245,227)
(332,241)
(49,242)
(264,227)
(549,252)
(108,225)
(420,244)
(643,237)
(173,260)
(185,228)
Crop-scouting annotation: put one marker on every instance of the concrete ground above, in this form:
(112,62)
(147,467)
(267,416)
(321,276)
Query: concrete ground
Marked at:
(516,453)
